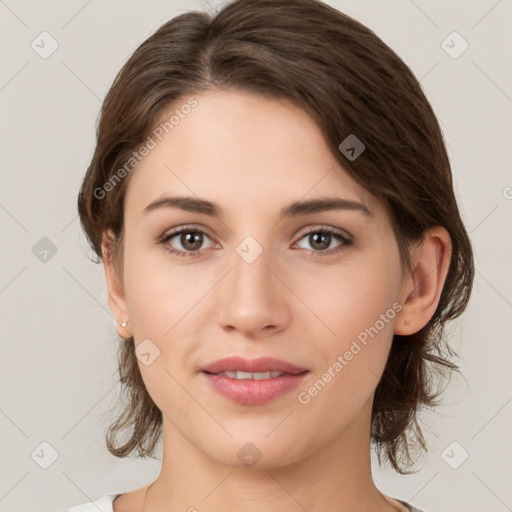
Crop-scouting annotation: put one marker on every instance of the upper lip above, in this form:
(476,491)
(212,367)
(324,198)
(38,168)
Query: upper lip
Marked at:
(262,364)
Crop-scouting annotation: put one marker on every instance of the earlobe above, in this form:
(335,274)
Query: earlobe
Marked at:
(422,288)
(115,292)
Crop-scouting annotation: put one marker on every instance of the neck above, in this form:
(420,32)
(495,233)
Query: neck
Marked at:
(333,477)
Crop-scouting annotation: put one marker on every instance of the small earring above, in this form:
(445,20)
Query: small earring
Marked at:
(122,324)
(407,323)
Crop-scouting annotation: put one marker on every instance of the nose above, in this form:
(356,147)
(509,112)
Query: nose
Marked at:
(252,298)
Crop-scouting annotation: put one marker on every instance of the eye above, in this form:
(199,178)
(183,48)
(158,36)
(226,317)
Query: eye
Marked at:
(190,239)
(321,240)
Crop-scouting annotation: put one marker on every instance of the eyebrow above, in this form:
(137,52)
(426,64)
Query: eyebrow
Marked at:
(295,209)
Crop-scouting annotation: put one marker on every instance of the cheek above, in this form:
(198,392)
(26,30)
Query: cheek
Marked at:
(161,294)
(359,304)
(350,366)
(352,297)
(161,299)
(167,304)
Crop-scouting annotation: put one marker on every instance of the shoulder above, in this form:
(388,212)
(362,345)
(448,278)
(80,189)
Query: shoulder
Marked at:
(104,504)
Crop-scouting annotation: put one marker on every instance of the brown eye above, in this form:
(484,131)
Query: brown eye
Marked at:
(191,240)
(320,241)
(187,242)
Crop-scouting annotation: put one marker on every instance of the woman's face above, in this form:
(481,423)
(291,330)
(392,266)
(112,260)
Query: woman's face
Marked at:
(257,278)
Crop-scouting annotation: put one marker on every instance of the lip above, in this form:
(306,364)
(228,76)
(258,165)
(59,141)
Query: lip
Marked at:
(262,364)
(248,391)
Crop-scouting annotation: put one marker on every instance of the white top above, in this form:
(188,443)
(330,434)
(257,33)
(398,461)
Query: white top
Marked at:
(105,505)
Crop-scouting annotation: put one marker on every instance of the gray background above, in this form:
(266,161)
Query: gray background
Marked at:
(58,361)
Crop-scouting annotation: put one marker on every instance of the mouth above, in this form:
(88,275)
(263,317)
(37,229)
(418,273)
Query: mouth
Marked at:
(262,365)
(252,382)
(239,375)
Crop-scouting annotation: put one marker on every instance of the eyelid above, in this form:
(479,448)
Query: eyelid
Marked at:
(327,228)
(186,227)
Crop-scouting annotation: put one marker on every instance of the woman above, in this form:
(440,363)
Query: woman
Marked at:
(272,201)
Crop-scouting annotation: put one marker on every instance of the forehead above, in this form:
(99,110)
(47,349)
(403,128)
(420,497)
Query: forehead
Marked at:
(243,151)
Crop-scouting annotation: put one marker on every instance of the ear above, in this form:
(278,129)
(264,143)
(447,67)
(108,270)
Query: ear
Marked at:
(421,289)
(116,298)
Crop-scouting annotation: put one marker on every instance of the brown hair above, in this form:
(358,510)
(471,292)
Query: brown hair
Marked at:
(350,82)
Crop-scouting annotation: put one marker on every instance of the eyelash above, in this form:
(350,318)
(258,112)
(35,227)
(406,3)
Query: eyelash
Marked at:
(346,241)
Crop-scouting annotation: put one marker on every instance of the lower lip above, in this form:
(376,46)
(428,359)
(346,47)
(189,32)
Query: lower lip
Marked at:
(253,392)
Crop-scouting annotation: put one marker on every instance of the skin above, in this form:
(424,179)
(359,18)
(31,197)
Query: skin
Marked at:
(252,156)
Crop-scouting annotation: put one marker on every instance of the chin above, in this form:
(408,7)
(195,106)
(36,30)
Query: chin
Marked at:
(258,451)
